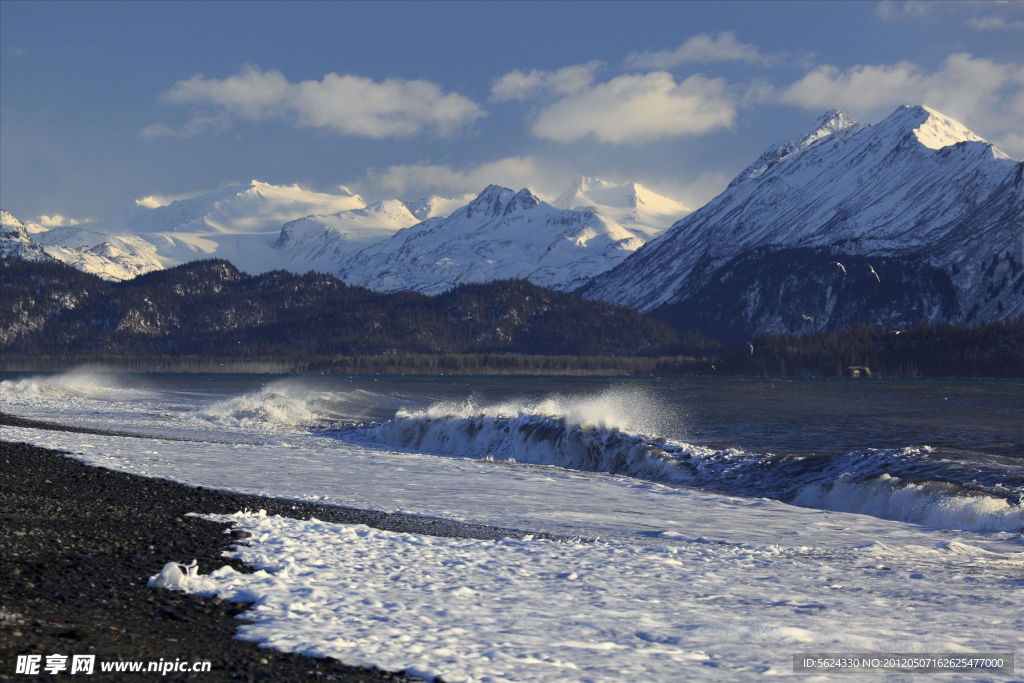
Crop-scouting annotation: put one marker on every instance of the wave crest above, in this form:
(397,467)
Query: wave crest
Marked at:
(908,484)
(86,384)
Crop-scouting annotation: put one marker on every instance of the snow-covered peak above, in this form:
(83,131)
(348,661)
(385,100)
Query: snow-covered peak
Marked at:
(436,206)
(932,129)
(388,209)
(831,122)
(524,200)
(500,234)
(7,220)
(256,207)
(321,242)
(916,183)
(491,202)
(12,229)
(630,204)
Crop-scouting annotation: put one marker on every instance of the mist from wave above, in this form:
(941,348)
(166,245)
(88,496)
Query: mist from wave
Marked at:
(616,432)
(292,404)
(77,384)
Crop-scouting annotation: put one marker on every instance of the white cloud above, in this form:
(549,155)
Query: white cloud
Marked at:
(411,181)
(994,24)
(517,85)
(999,15)
(638,109)
(199,123)
(349,105)
(702,49)
(984,95)
(894,10)
(56,221)
(16,51)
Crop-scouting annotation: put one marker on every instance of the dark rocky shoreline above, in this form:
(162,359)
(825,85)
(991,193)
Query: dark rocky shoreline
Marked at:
(79,543)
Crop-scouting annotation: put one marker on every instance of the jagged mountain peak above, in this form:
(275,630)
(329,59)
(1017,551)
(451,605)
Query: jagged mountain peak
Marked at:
(522,201)
(490,202)
(496,201)
(500,234)
(932,129)
(916,185)
(833,119)
(8,220)
(13,230)
(831,122)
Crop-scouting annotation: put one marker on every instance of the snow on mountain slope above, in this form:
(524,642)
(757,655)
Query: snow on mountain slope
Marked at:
(437,207)
(109,257)
(16,242)
(237,223)
(917,186)
(631,205)
(321,242)
(254,208)
(500,234)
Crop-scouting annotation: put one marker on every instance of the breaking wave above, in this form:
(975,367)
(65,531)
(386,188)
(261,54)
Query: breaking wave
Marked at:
(287,405)
(81,384)
(605,434)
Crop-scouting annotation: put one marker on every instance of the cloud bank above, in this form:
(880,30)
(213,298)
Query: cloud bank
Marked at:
(700,49)
(636,109)
(519,85)
(344,104)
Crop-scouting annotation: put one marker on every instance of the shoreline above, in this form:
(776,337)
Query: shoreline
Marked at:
(80,543)
(397,364)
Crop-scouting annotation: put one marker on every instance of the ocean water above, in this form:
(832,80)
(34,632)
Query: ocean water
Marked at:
(711,527)
(947,453)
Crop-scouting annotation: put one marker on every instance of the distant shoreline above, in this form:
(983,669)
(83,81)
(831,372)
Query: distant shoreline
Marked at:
(397,364)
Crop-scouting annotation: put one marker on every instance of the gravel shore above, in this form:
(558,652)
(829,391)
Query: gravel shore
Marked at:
(79,543)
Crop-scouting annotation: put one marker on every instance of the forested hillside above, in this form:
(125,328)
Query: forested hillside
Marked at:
(209,308)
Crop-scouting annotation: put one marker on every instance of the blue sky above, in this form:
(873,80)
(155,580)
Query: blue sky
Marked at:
(104,103)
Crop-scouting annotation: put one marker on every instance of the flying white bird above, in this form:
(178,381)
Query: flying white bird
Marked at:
(807,318)
(751,348)
(874,273)
(841,266)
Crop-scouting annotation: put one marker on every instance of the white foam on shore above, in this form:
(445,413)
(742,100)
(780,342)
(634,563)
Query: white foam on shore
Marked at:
(536,610)
(932,504)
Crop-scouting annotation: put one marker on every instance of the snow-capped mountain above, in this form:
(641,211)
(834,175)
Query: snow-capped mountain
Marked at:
(631,205)
(16,242)
(918,190)
(239,223)
(322,242)
(237,209)
(110,257)
(500,234)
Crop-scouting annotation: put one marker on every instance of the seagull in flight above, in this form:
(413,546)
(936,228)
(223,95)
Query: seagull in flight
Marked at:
(841,266)
(808,318)
(874,273)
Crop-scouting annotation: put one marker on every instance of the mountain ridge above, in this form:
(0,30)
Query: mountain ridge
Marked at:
(894,189)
